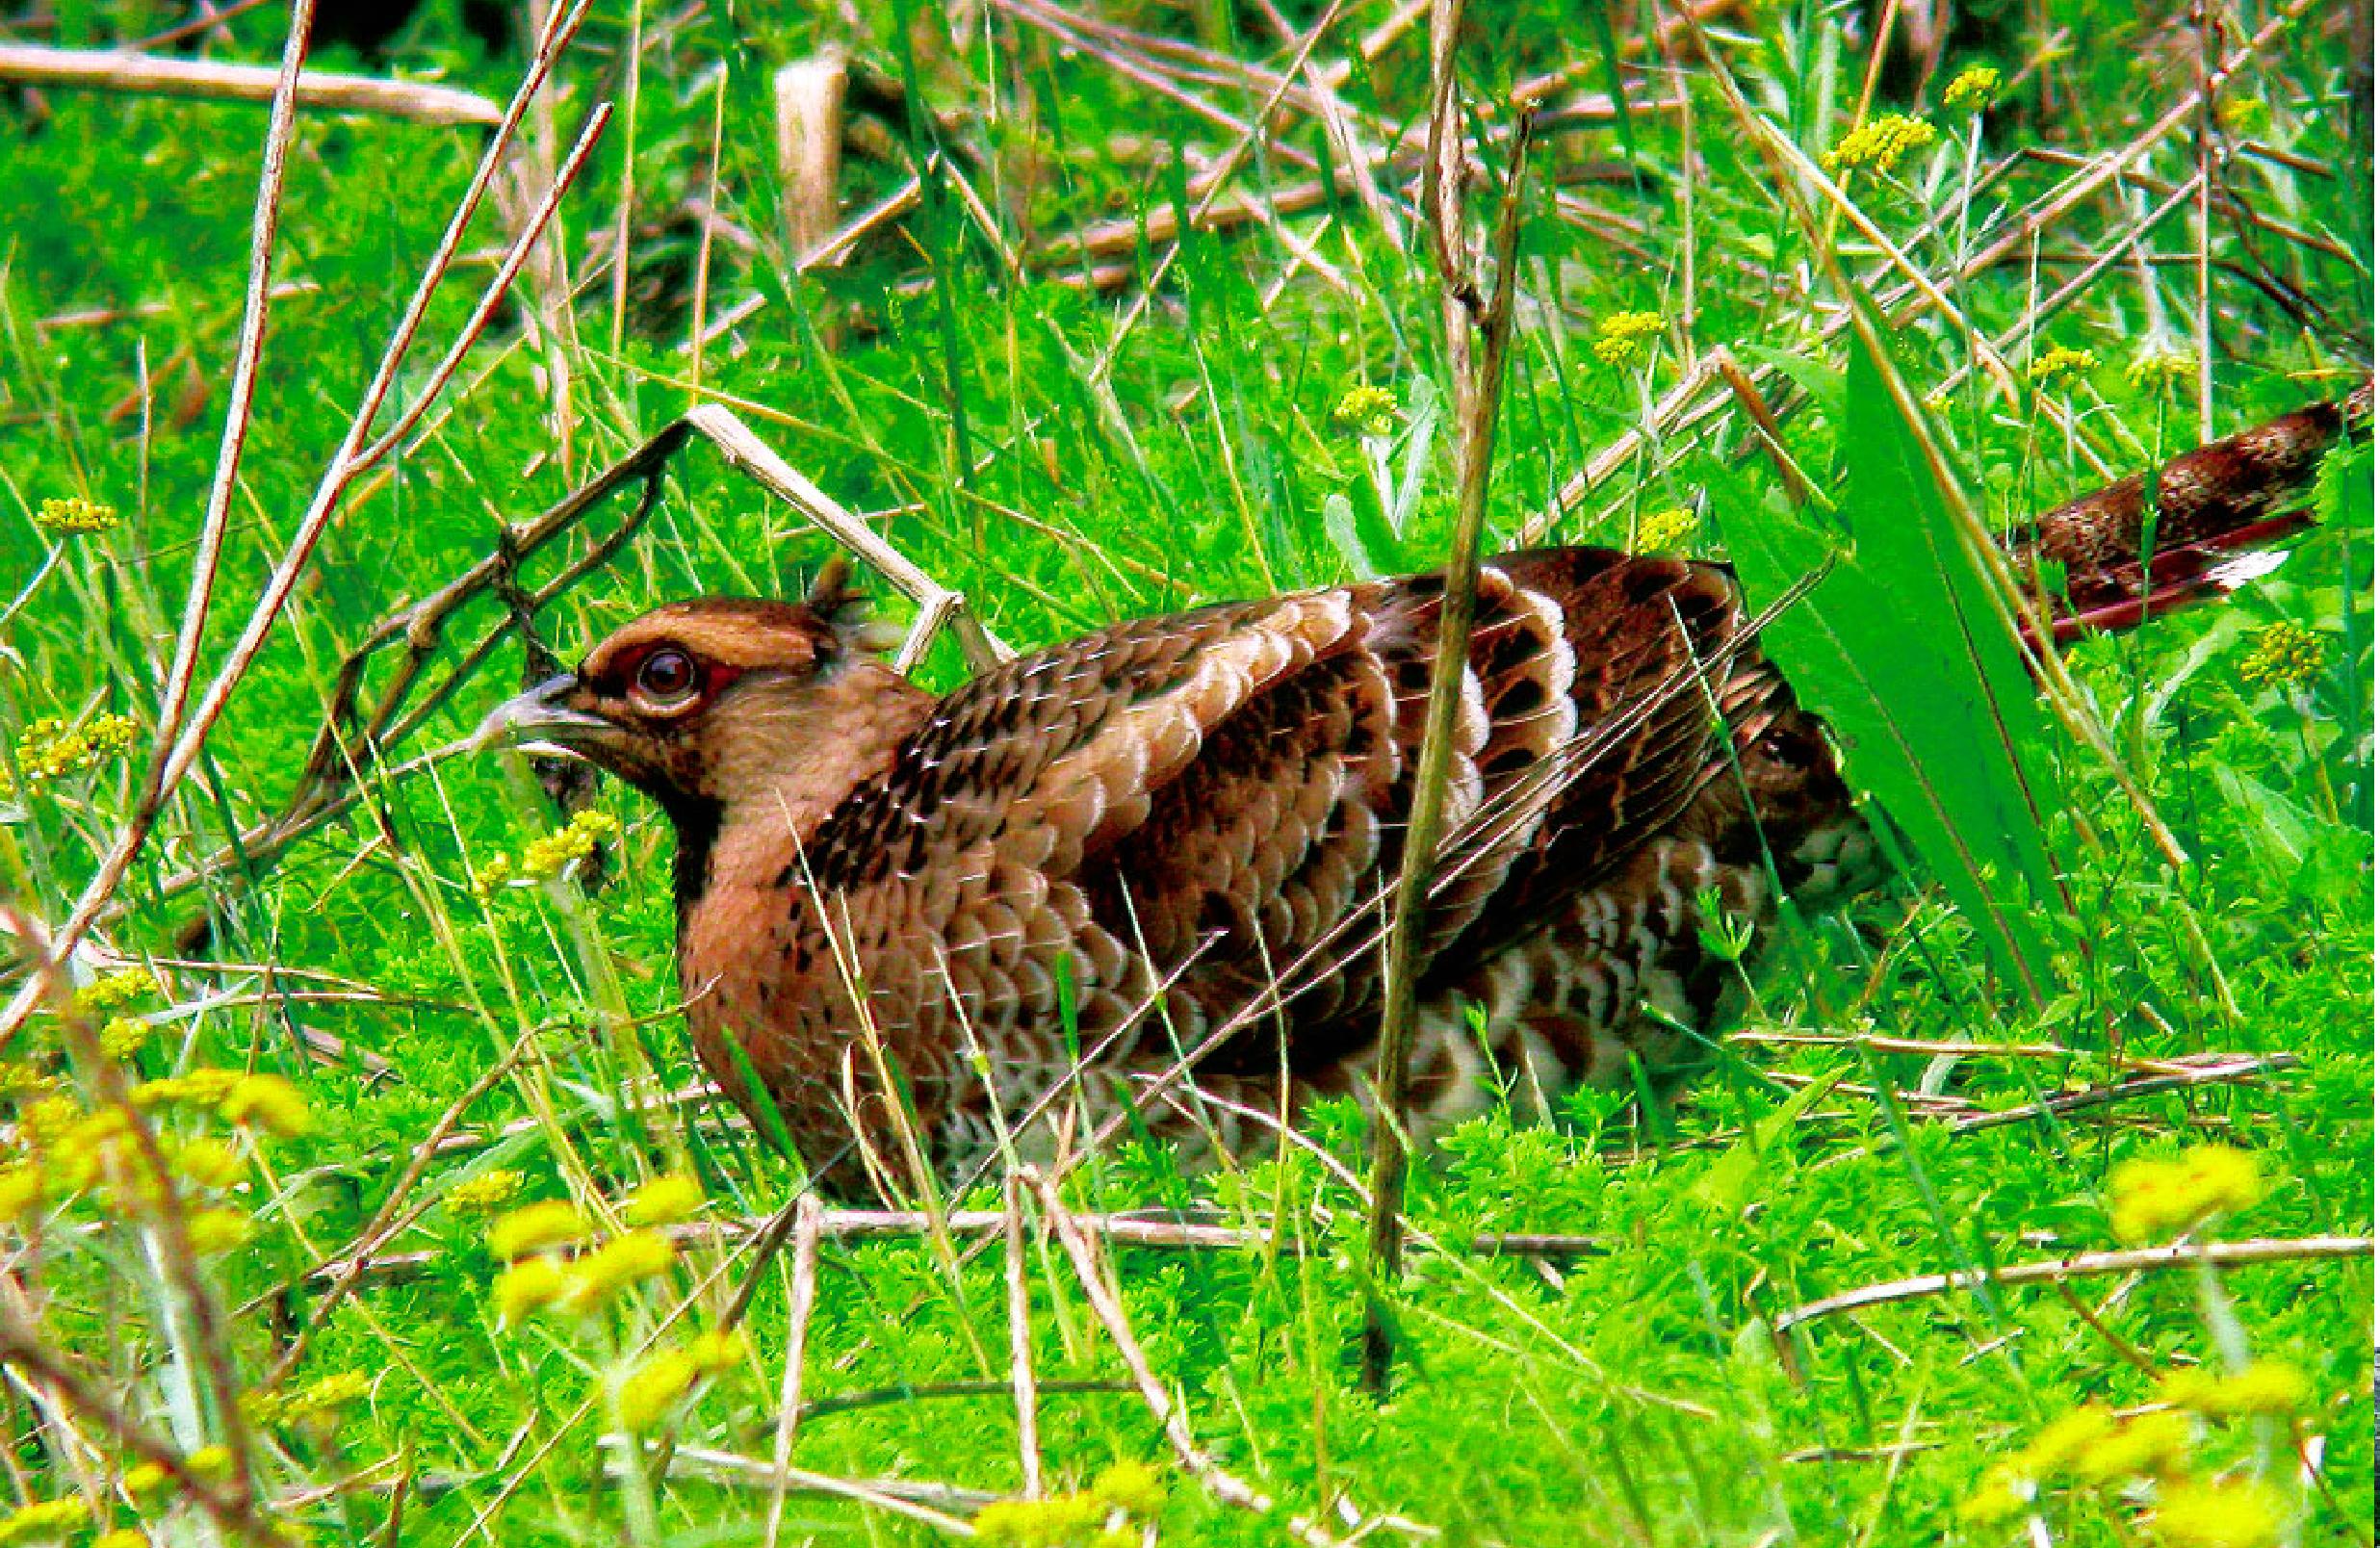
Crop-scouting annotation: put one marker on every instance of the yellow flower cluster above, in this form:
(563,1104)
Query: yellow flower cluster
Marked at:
(2285,656)
(1663,532)
(123,1036)
(66,1150)
(2154,1198)
(2161,367)
(484,1193)
(1973,89)
(1101,1516)
(648,1392)
(550,855)
(122,1538)
(2240,1513)
(2061,362)
(535,1282)
(1620,338)
(2272,1388)
(111,993)
(1367,411)
(51,749)
(266,1102)
(665,1201)
(73,515)
(2090,1445)
(43,1520)
(1880,142)
(534,1227)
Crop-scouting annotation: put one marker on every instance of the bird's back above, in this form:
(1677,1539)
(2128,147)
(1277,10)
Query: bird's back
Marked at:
(1168,840)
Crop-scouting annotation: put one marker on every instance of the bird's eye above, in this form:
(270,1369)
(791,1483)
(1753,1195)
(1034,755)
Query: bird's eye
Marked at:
(667,679)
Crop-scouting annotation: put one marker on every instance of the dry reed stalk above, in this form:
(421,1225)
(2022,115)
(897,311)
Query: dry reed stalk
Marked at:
(2214,1254)
(136,74)
(809,98)
(1478,328)
(800,1302)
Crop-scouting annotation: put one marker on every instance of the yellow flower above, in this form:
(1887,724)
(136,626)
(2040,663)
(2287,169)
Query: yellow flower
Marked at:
(1663,532)
(204,1087)
(51,749)
(2059,362)
(19,1080)
(267,1102)
(1973,89)
(1133,1487)
(2160,365)
(111,993)
(646,1393)
(719,1349)
(2150,1445)
(2248,1513)
(534,1227)
(2285,656)
(2064,1439)
(2272,1387)
(122,1538)
(576,841)
(617,1264)
(123,1036)
(74,514)
(1880,142)
(1062,1518)
(663,1201)
(484,1193)
(209,1464)
(1620,338)
(21,1191)
(146,1482)
(47,1519)
(217,1230)
(492,877)
(2158,1198)
(529,1287)
(1366,411)
(208,1163)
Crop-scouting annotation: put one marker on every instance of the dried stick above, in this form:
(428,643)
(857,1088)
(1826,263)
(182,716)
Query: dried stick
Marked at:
(146,75)
(927,1503)
(1486,325)
(1211,1475)
(804,1297)
(2214,1254)
(1020,1335)
(181,744)
(810,112)
(2183,1076)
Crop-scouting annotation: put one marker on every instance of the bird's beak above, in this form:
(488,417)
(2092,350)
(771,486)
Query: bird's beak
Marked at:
(542,721)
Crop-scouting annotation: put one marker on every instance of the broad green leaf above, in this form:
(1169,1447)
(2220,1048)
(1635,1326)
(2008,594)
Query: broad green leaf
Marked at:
(1900,650)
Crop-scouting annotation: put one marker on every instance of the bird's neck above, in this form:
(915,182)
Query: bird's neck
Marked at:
(781,765)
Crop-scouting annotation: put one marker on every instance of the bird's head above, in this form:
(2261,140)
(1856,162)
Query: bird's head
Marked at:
(701,703)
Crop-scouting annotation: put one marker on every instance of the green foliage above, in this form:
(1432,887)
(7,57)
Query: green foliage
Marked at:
(466,1050)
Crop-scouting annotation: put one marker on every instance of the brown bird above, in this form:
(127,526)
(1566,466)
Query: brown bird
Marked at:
(1146,867)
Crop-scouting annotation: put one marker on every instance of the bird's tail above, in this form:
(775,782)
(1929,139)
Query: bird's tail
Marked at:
(2219,515)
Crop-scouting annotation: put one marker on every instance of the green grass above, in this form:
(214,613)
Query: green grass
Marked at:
(1631,1392)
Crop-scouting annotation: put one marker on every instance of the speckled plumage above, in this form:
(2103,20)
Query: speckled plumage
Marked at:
(1164,845)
